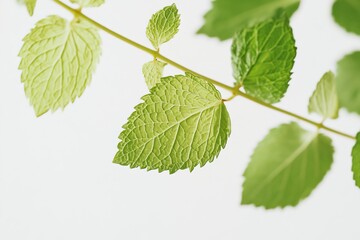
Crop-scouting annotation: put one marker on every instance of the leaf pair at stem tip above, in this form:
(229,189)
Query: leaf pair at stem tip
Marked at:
(161,28)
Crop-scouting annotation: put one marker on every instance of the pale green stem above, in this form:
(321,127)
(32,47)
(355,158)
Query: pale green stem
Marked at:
(232,89)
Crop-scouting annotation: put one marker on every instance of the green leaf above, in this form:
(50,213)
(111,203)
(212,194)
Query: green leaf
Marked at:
(58,58)
(347,14)
(286,167)
(324,100)
(30,5)
(229,16)
(356,161)
(182,123)
(88,3)
(262,58)
(163,26)
(153,72)
(348,82)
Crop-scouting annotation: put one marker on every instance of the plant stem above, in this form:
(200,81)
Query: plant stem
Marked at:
(316,124)
(157,55)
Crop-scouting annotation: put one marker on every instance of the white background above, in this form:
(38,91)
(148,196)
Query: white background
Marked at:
(57,180)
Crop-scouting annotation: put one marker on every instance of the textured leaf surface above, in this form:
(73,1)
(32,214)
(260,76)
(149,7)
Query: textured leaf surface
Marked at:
(286,167)
(58,58)
(153,72)
(182,123)
(356,161)
(229,16)
(348,82)
(163,26)
(30,5)
(324,100)
(347,14)
(88,3)
(262,58)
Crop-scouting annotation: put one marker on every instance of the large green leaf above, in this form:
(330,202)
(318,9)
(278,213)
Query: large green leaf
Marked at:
(163,26)
(347,14)
(182,123)
(58,58)
(348,82)
(324,100)
(262,58)
(356,161)
(286,167)
(88,3)
(229,16)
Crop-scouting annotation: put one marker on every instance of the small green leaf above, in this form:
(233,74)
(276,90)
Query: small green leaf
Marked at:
(163,26)
(229,16)
(262,58)
(88,3)
(30,5)
(324,100)
(286,167)
(181,124)
(347,14)
(58,58)
(348,82)
(153,72)
(356,161)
